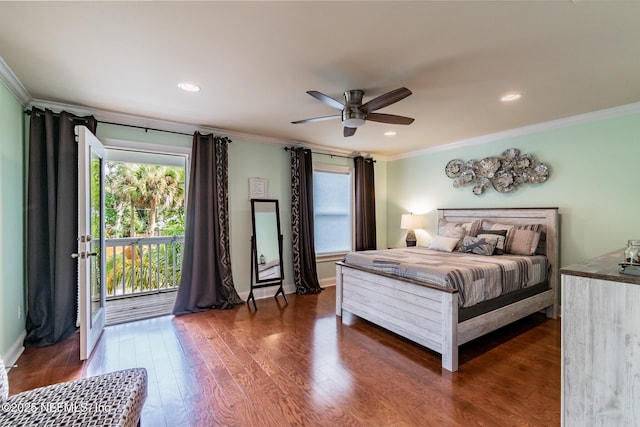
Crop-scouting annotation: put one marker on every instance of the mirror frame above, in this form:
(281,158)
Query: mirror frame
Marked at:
(256,262)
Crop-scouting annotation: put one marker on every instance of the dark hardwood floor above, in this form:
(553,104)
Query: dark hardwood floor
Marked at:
(298,364)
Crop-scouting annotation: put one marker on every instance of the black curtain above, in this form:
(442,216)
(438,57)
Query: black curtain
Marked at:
(305,274)
(365,204)
(52,226)
(206,281)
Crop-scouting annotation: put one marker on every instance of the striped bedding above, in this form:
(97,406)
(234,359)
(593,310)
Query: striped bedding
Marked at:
(477,278)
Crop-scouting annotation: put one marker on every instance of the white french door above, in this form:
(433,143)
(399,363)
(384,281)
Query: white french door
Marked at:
(91,246)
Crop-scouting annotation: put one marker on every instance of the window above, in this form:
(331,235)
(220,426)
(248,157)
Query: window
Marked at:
(332,210)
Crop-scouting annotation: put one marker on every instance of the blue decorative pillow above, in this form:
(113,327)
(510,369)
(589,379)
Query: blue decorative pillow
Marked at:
(478,245)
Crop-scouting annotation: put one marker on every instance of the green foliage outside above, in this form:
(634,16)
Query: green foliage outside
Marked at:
(143,200)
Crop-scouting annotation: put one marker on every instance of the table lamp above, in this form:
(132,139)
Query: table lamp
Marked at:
(410,223)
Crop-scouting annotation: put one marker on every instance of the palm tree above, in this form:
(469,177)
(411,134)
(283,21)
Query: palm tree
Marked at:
(158,186)
(143,189)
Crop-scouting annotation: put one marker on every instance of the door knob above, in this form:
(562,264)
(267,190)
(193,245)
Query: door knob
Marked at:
(81,255)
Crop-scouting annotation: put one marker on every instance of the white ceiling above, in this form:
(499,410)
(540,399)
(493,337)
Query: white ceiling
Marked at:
(255,61)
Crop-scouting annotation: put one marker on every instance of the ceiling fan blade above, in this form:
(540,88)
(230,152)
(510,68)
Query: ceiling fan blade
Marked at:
(349,131)
(386,99)
(317,119)
(326,99)
(389,118)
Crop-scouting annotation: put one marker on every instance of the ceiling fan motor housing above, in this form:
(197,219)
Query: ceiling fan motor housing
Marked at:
(352,116)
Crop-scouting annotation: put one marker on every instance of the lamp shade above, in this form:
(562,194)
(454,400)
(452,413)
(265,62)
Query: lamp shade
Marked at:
(411,222)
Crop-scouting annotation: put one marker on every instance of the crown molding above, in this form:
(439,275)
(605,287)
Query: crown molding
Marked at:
(12,83)
(623,110)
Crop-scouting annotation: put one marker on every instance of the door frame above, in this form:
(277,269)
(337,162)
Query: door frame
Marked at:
(91,327)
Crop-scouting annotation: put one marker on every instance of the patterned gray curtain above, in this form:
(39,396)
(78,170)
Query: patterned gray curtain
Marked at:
(52,226)
(206,281)
(305,274)
(365,204)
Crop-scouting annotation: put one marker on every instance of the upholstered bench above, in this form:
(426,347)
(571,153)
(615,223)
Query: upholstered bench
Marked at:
(113,399)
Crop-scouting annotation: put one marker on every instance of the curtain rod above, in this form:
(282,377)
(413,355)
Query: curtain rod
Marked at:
(331,155)
(146,129)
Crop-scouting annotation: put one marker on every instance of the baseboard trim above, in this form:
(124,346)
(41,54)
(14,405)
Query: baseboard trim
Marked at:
(13,353)
(327,282)
(289,288)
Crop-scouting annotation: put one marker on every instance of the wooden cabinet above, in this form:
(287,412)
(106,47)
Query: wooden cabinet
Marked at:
(600,344)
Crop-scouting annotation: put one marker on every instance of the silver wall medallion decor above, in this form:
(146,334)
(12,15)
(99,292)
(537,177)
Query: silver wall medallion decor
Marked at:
(504,173)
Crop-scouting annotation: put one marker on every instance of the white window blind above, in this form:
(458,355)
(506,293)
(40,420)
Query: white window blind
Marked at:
(332,209)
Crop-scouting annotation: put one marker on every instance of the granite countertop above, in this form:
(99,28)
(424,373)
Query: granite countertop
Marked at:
(604,267)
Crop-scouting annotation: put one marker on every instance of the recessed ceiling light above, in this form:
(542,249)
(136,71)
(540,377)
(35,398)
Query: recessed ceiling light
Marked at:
(514,96)
(390,133)
(189,87)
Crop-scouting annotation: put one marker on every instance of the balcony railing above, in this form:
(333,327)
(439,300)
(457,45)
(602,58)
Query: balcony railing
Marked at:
(142,265)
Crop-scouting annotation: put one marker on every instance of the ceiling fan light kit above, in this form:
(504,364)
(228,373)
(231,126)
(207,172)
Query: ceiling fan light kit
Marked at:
(352,117)
(355,113)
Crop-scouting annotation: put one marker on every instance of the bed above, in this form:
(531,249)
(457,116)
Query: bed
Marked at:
(435,314)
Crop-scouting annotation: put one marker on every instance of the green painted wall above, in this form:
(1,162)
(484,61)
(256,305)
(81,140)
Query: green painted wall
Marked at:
(256,160)
(12,278)
(593,180)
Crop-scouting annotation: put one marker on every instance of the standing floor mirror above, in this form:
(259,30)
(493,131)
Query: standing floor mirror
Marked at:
(266,248)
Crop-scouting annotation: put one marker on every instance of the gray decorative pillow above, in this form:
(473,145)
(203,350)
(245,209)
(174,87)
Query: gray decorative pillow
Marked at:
(4,382)
(478,245)
(500,236)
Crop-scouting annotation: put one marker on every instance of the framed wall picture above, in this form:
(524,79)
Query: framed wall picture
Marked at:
(257,188)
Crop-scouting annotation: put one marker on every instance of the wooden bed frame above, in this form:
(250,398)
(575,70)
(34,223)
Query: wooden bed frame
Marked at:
(428,314)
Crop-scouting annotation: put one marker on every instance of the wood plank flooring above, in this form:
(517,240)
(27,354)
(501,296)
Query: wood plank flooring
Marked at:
(299,365)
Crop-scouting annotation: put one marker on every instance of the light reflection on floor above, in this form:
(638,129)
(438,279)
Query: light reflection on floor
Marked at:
(333,381)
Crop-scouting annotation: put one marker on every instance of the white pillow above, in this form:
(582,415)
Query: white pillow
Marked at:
(443,243)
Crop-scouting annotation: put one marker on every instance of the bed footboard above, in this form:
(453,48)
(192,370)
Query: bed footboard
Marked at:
(423,314)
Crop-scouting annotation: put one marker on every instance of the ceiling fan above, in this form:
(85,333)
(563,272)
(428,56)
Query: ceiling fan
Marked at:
(355,113)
